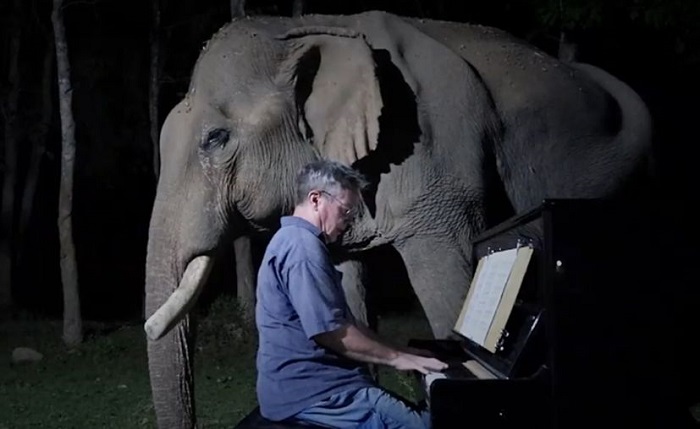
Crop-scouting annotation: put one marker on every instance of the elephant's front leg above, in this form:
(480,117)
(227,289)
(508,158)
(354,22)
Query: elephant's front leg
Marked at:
(355,278)
(439,273)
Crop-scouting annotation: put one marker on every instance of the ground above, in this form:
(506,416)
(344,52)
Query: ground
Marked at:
(104,383)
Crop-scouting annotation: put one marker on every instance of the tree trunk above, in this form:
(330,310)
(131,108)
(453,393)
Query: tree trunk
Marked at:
(420,13)
(237,8)
(38,149)
(154,87)
(245,278)
(298,8)
(7,212)
(72,322)
(567,49)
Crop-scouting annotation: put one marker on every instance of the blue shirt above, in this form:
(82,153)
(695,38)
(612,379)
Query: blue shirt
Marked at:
(299,295)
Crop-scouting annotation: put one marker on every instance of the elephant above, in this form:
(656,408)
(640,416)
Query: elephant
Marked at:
(455,126)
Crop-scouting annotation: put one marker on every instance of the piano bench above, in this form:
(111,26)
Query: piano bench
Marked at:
(254,420)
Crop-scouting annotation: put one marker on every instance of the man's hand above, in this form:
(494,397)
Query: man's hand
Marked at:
(352,341)
(412,362)
(419,352)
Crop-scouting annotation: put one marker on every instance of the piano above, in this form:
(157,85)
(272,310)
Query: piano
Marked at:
(581,345)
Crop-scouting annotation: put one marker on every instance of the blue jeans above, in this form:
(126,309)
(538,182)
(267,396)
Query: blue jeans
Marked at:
(366,408)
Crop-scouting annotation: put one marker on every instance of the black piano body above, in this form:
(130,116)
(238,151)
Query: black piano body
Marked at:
(582,346)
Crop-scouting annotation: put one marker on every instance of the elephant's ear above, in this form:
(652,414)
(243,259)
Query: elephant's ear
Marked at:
(336,89)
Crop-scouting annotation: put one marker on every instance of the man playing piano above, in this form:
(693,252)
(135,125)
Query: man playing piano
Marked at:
(312,356)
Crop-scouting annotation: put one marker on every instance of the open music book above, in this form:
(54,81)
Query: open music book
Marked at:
(491,296)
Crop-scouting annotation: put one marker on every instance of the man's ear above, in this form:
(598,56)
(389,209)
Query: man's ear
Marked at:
(314,197)
(336,90)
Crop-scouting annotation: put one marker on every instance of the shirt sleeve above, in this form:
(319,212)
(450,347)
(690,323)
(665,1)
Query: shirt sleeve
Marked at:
(317,298)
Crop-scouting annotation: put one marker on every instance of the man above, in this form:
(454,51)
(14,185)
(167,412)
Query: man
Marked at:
(312,357)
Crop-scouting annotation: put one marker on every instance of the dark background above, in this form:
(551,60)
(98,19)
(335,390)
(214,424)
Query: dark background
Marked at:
(652,45)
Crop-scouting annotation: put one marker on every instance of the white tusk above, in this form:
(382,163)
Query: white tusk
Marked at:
(181,300)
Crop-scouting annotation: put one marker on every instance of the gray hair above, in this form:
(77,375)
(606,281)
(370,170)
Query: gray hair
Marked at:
(328,176)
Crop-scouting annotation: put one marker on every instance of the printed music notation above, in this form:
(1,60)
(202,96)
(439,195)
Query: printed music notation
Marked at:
(492,294)
(485,294)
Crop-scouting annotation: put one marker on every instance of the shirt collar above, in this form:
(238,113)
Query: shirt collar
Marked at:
(302,223)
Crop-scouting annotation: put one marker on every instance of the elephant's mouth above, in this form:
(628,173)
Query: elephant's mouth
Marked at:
(181,300)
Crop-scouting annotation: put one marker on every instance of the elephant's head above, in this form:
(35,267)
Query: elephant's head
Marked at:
(261,104)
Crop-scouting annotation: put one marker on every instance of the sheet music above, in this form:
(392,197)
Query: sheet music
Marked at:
(486,295)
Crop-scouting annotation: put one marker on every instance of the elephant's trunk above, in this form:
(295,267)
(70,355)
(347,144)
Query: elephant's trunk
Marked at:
(171,375)
(170,336)
(181,300)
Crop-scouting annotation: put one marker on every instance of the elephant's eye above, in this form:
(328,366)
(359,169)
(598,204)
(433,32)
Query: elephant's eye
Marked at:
(215,138)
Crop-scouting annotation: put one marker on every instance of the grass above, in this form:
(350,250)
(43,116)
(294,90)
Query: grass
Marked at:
(104,382)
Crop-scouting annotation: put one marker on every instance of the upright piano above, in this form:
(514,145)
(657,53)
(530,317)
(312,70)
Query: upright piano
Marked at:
(582,341)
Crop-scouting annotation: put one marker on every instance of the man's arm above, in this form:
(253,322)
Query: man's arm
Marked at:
(351,341)
(411,350)
(320,304)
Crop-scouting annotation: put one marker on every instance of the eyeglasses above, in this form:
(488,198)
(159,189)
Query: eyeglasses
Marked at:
(348,212)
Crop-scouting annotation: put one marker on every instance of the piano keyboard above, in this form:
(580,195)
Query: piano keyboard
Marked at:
(457,371)
(454,371)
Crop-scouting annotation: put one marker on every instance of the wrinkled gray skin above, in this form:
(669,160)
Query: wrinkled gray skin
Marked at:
(456,126)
